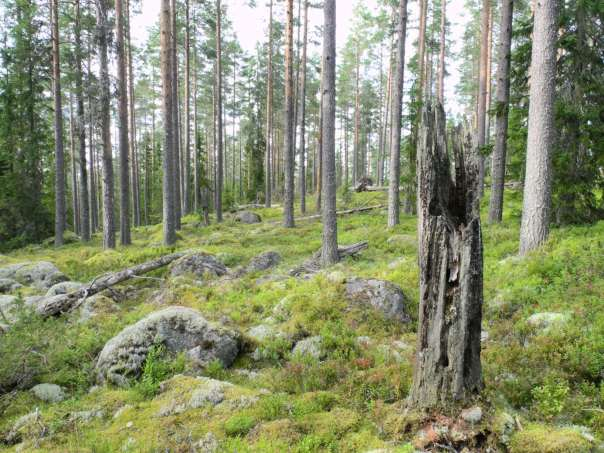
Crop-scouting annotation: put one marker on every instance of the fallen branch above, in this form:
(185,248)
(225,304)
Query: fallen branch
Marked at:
(62,303)
(314,265)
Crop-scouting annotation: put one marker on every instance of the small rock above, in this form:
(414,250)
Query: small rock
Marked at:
(209,444)
(544,322)
(121,410)
(282,310)
(382,295)
(212,393)
(261,332)
(199,265)
(8,308)
(364,341)
(172,408)
(248,374)
(484,336)
(248,217)
(94,305)
(243,402)
(8,285)
(264,261)
(311,346)
(129,424)
(86,416)
(51,393)
(63,288)
(472,415)
(336,277)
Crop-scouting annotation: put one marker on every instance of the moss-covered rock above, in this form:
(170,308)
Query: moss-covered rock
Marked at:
(536,438)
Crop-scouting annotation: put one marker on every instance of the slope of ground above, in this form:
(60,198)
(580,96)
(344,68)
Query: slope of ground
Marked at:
(543,357)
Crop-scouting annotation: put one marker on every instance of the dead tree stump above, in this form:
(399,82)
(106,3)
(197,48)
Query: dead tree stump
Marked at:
(448,370)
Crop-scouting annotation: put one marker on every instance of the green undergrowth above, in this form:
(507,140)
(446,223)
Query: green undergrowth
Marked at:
(349,400)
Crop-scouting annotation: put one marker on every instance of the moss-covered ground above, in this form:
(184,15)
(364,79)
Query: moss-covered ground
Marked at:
(548,381)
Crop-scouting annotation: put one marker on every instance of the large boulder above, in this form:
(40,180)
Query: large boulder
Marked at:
(384,296)
(248,217)
(179,329)
(8,285)
(8,309)
(199,265)
(264,261)
(41,275)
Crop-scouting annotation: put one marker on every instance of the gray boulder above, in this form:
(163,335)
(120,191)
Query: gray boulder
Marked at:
(248,217)
(383,296)
(546,321)
(8,309)
(93,305)
(199,265)
(41,275)
(264,261)
(261,332)
(8,285)
(179,329)
(311,346)
(63,288)
(51,393)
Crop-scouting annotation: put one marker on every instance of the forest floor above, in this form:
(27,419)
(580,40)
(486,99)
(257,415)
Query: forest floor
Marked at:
(543,375)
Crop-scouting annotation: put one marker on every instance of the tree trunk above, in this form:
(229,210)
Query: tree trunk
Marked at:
(136,210)
(501,112)
(288,137)
(219,131)
(58,125)
(448,366)
(357,120)
(536,207)
(122,97)
(302,100)
(75,201)
(169,187)
(482,85)
(329,250)
(94,207)
(421,46)
(108,214)
(269,113)
(319,151)
(441,56)
(175,120)
(396,115)
(187,147)
(487,127)
(84,206)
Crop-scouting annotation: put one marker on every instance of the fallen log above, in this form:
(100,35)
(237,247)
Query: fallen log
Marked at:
(55,305)
(314,264)
(338,213)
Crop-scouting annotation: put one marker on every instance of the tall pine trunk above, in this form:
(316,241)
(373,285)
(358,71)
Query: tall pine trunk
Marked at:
(58,126)
(219,129)
(122,102)
(84,201)
(396,109)
(187,147)
(75,201)
(269,113)
(135,176)
(302,100)
(288,138)
(175,120)
(536,207)
(108,195)
(166,60)
(481,109)
(329,249)
(502,96)
(441,55)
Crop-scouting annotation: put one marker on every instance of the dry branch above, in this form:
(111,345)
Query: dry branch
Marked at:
(62,303)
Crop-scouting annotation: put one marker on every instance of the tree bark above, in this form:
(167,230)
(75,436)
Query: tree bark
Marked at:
(75,201)
(536,207)
(357,119)
(169,187)
(187,150)
(108,215)
(94,207)
(58,126)
(441,56)
(83,192)
(288,145)
(396,115)
(136,209)
(302,177)
(329,250)
(482,85)
(175,120)
(448,368)
(421,46)
(269,113)
(122,97)
(219,131)
(501,112)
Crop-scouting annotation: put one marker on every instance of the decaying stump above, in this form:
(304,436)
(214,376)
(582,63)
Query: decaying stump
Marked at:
(448,366)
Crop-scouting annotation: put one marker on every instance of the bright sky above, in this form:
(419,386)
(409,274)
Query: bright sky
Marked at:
(250,25)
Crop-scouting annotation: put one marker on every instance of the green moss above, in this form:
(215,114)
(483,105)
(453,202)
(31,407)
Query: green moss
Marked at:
(548,439)
(239,424)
